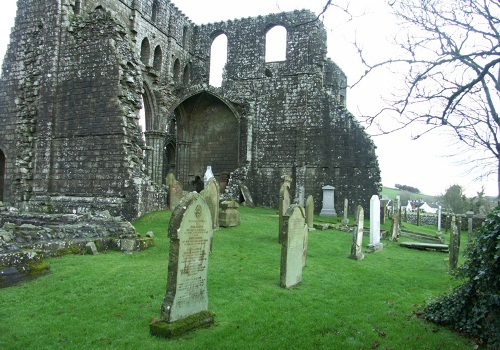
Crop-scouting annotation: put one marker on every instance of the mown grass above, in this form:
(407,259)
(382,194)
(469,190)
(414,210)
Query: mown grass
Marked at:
(107,301)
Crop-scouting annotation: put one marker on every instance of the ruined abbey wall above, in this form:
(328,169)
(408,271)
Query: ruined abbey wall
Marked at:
(77,73)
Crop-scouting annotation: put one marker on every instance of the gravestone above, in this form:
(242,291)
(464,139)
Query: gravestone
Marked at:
(328,208)
(345,220)
(175,194)
(292,246)
(439,220)
(357,235)
(284,203)
(185,305)
(211,195)
(229,216)
(310,213)
(454,245)
(375,244)
(395,221)
(302,195)
(247,198)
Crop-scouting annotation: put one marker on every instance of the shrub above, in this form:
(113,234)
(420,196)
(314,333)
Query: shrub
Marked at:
(473,307)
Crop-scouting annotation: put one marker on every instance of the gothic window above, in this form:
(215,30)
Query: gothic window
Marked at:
(154,13)
(276,40)
(185,36)
(77,7)
(145,51)
(2,174)
(158,58)
(177,70)
(186,75)
(218,59)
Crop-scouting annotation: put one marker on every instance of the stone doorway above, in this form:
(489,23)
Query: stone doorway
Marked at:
(207,133)
(2,174)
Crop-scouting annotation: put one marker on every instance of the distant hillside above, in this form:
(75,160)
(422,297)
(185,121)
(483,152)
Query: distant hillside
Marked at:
(406,196)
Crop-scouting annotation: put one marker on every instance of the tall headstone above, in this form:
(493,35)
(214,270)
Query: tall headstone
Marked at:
(185,305)
(211,195)
(302,195)
(454,245)
(396,218)
(284,203)
(292,246)
(345,220)
(375,224)
(439,220)
(357,235)
(328,208)
(310,213)
(175,194)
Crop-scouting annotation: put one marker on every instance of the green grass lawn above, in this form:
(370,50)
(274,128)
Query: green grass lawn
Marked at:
(107,301)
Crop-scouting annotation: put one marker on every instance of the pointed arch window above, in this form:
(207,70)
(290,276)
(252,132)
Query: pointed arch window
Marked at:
(177,70)
(158,58)
(145,51)
(154,12)
(276,40)
(185,36)
(2,175)
(218,59)
(186,76)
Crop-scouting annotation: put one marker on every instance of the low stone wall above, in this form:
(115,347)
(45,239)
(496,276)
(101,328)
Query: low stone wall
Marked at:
(432,220)
(27,238)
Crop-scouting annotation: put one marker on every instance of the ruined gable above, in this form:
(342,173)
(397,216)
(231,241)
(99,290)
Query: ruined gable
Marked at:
(77,73)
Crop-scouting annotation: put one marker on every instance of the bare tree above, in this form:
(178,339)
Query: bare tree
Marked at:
(450,55)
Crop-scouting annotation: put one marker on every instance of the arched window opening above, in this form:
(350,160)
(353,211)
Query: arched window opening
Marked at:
(145,51)
(185,37)
(218,59)
(145,110)
(177,70)
(276,39)
(158,58)
(154,12)
(186,75)
(78,7)
(2,174)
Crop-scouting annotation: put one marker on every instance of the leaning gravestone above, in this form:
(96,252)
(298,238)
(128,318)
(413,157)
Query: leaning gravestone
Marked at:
(375,244)
(283,205)
(175,194)
(292,246)
(247,198)
(185,306)
(357,235)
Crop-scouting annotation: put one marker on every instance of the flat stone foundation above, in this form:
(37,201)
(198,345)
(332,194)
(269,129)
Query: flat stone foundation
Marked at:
(178,328)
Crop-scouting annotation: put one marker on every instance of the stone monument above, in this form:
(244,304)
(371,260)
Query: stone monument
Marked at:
(345,220)
(310,213)
(229,216)
(357,235)
(328,208)
(185,306)
(175,194)
(247,198)
(211,195)
(284,202)
(375,244)
(292,246)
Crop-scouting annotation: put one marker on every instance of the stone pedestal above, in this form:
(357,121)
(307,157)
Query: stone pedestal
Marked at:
(229,216)
(328,208)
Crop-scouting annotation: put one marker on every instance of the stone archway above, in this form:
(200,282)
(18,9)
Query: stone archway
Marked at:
(2,174)
(207,133)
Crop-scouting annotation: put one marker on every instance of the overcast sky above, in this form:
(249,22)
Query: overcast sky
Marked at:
(425,164)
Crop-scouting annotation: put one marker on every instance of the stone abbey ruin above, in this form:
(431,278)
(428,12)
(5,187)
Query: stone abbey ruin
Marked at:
(78,72)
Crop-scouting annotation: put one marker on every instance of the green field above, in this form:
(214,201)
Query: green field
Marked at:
(107,301)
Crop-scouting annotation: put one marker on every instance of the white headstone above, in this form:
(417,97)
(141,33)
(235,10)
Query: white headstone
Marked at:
(375,224)
(328,208)
(208,175)
(439,219)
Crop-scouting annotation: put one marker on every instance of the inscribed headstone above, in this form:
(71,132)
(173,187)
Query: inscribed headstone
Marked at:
(292,246)
(375,224)
(328,208)
(310,213)
(357,235)
(175,193)
(190,231)
(248,201)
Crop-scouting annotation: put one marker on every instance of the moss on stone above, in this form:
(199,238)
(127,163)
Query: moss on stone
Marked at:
(178,328)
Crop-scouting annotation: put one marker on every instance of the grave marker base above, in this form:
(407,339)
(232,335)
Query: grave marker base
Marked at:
(177,328)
